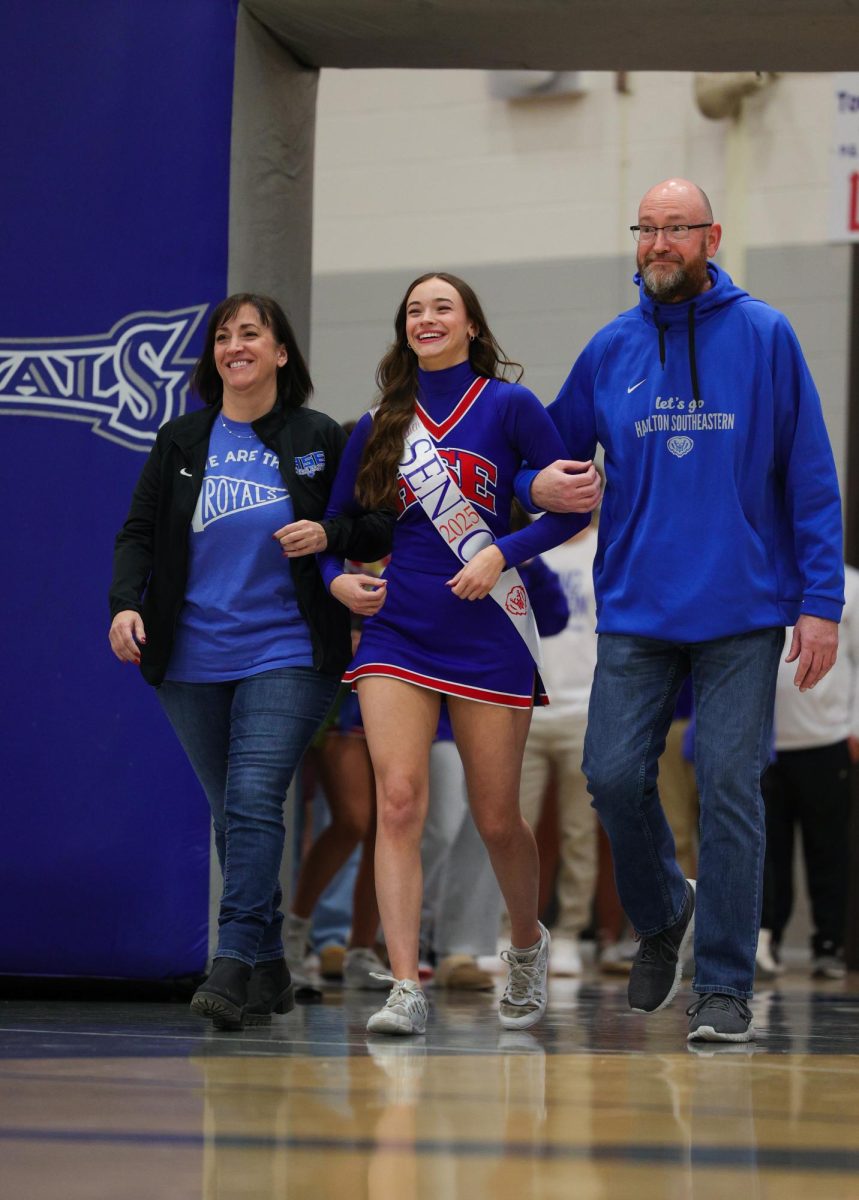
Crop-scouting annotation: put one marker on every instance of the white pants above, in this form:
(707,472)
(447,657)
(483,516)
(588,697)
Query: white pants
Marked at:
(554,746)
(462,902)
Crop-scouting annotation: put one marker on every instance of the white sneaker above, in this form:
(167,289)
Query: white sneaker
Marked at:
(362,968)
(405,1009)
(526,994)
(828,966)
(767,965)
(566,959)
(295,936)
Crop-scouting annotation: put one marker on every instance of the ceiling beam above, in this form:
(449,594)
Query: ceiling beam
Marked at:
(556,35)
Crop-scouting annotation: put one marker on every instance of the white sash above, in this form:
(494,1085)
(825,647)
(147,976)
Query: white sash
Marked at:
(461,526)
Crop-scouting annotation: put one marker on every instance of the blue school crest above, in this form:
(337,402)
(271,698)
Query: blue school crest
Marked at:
(310,464)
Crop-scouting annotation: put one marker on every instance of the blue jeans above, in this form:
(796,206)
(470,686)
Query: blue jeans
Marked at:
(244,740)
(632,703)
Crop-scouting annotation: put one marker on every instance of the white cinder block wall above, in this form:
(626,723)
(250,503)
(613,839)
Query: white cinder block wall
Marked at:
(425,165)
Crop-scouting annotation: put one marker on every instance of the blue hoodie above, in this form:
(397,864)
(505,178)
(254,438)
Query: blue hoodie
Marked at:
(721,512)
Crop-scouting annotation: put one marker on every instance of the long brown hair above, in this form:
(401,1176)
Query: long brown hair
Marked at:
(397,381)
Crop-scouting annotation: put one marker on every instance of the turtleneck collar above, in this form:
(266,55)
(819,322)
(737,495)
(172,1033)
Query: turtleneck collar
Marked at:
(449,381)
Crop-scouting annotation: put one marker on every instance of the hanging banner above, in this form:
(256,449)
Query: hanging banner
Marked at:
(844,168)
(115,215)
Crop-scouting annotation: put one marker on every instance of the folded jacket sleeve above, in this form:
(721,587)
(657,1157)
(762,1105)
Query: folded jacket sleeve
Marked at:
(342,504)
(364,535)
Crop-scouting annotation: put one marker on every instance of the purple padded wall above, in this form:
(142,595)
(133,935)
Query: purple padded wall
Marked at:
(116,136)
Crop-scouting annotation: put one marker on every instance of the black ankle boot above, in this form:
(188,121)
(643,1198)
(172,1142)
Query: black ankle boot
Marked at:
(224,994)
(270,990)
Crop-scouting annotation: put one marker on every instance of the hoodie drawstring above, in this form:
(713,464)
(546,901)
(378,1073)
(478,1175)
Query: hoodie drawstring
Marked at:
(693,362)
(693,365)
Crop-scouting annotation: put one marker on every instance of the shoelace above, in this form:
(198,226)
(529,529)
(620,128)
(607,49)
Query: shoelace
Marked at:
(403,991)
(523,978)
(722,1001)
(665,943)
(658,943)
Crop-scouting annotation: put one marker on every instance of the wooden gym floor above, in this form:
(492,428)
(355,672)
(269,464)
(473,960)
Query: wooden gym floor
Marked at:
(120,1101)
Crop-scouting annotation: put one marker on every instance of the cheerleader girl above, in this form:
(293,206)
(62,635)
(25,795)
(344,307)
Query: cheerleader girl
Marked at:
(451,618)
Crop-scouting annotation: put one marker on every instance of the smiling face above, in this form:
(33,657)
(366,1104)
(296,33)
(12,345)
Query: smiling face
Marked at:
(438,327)
(671,270)
(247,356)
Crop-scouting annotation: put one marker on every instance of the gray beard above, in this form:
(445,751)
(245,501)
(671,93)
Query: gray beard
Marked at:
(666,285)
(682,283)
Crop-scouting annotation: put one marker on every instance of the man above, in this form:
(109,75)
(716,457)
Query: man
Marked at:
(721,524)
(808,787)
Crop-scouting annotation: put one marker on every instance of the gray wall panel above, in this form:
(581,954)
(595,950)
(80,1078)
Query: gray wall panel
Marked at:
(544,312)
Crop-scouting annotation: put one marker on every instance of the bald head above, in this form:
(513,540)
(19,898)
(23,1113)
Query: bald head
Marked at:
(678,195)
(674,268)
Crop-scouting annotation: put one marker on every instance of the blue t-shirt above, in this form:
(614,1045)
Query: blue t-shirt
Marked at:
(240,615)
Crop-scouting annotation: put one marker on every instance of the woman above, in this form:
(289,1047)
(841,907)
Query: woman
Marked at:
(446,415)
(244,649)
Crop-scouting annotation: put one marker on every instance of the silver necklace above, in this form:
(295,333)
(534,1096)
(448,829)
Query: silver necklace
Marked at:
(243,437)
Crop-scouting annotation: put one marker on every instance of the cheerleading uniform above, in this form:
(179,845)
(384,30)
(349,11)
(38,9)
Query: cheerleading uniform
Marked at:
(424,634)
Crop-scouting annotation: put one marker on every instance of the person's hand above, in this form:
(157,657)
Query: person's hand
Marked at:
(815,644)
(362,594)
(127,635)
(301,537)
(567,486)
(479,576)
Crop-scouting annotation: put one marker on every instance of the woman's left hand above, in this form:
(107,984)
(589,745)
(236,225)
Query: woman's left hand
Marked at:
(301,537)
(479,576)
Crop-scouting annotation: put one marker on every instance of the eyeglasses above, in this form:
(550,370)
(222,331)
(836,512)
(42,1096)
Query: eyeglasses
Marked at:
(674,233)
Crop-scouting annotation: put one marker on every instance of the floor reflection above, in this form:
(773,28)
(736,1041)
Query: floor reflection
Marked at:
(142,1101)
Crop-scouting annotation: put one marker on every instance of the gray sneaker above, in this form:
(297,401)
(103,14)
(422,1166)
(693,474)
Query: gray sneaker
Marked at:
(526,994)
(658,966)
(717,1017)
(828,966)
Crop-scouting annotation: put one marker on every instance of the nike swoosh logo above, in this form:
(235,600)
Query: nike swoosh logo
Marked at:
(185,471)
(630,390)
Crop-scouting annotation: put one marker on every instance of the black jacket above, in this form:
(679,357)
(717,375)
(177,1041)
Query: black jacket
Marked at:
(150,563)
